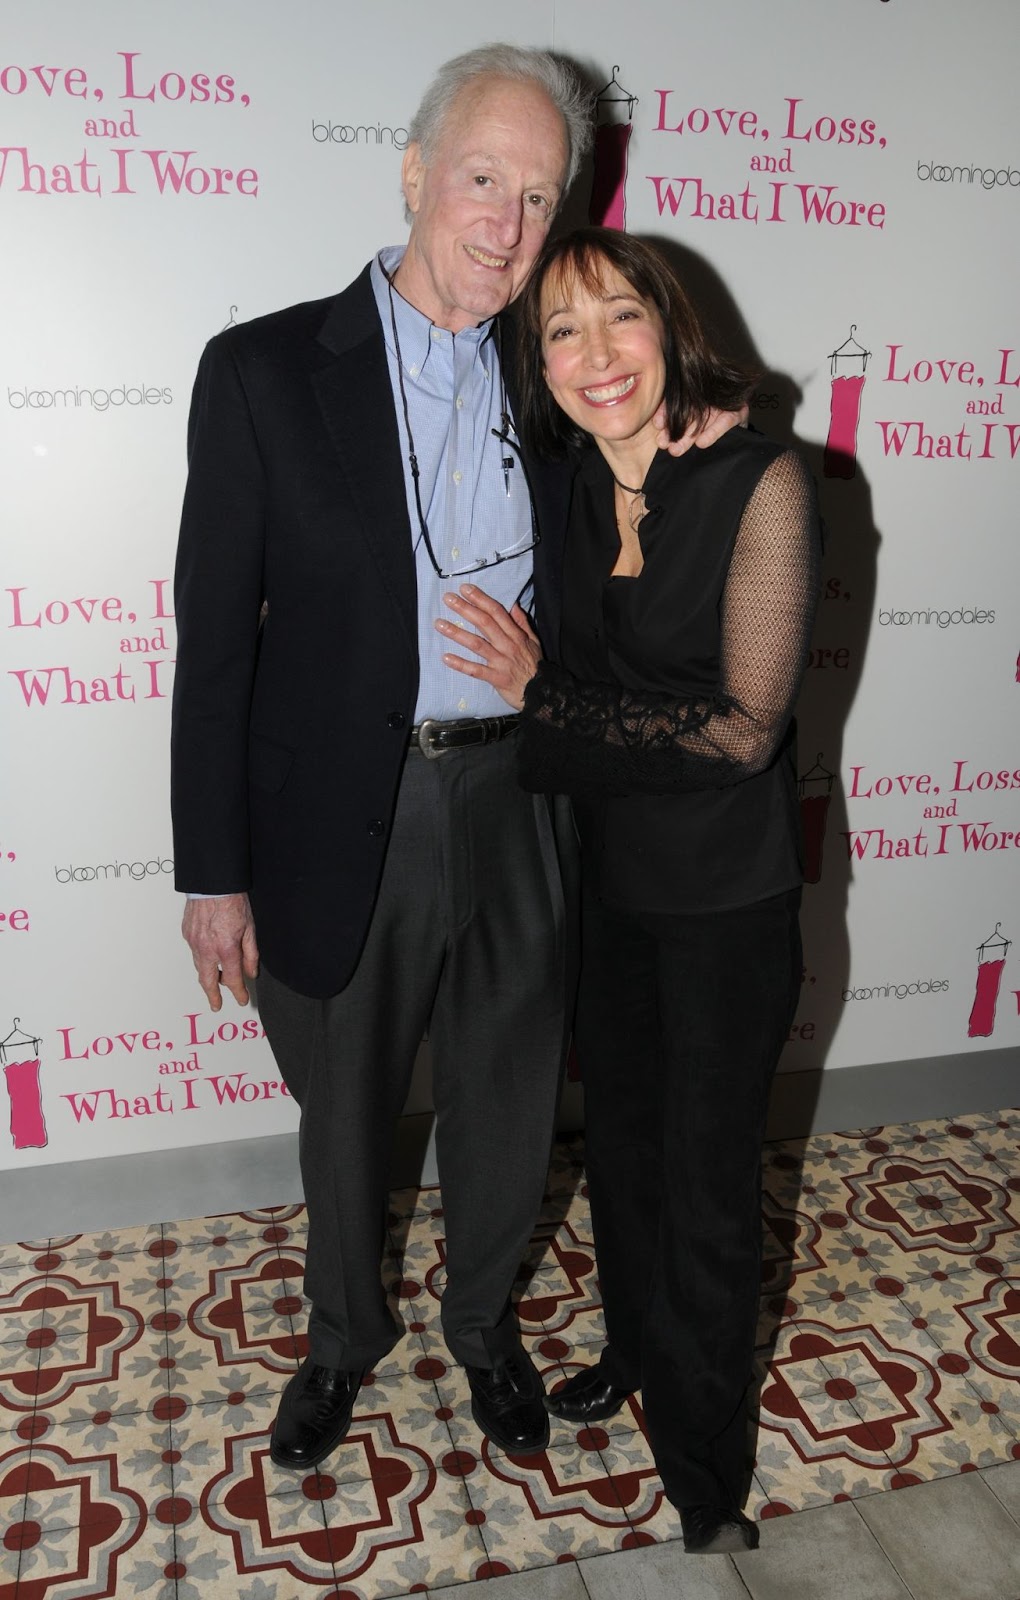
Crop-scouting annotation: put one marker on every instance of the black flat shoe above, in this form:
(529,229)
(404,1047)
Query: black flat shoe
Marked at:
(586,1397)
(314,1416)
(507,1404)
(716,1531)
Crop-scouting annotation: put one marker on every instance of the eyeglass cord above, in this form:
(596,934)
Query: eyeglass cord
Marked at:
(502,434)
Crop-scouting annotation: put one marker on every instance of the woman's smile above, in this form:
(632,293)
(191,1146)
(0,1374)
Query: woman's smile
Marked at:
(610,393)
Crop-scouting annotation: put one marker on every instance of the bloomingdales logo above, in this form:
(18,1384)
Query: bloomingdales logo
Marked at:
(899,990)
(941,619)
(368,133)
(115,869)
(987,177)
(96,399)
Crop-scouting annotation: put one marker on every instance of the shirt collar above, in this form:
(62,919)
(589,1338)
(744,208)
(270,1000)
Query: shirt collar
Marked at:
(414,329)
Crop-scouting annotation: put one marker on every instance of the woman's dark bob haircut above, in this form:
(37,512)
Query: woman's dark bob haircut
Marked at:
(697,379)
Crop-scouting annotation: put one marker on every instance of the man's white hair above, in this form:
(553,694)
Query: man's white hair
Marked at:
(572,99)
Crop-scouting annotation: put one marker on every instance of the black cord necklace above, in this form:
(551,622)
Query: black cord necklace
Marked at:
(625,486)
(638,509)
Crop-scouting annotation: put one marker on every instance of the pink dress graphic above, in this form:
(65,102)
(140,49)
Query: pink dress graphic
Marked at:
(607,207)
(815,790)
(28,1127)
(840,460)
(991,960)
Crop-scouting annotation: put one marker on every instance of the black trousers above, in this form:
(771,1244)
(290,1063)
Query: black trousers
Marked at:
(681,1020)
(467,941)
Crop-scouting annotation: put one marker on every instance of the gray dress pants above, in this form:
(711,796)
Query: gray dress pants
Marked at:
(467,941)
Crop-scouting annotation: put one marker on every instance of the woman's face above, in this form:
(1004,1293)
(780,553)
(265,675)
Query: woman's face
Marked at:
(603,355)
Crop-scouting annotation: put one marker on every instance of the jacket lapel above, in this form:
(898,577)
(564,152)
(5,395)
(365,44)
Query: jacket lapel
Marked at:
(353,389)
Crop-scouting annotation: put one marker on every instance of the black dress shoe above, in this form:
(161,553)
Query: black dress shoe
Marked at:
(716,1531)
(507,1404)
(314,1416)
(586,1397)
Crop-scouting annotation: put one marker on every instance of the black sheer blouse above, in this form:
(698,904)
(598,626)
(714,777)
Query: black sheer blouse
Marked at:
(670,719)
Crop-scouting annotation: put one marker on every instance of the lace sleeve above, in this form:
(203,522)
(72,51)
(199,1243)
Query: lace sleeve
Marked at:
(598,738)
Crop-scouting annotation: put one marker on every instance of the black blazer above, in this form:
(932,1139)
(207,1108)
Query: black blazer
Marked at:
(289,736)
(685,802)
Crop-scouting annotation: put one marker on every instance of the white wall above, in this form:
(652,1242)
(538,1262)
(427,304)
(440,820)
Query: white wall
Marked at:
(891,206)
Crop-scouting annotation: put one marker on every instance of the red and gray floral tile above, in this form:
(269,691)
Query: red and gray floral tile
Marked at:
(140,1371)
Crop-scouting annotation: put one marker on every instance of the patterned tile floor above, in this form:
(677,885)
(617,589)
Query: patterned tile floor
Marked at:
(139,1372)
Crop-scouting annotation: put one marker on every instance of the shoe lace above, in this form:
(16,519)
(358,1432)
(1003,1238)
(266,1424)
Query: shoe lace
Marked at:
(510,1376)
(321,1391)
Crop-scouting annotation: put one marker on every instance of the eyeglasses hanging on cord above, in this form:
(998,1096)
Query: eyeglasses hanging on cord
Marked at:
(507,464)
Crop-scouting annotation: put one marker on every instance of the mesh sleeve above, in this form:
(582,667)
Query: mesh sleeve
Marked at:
(598,738)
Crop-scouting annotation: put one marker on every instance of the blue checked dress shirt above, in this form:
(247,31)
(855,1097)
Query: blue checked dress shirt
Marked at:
(454,399)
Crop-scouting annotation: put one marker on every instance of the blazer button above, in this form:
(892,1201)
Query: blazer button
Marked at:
(396,719)
(377,827)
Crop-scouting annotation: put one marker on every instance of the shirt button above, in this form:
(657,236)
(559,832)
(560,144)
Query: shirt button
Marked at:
(460,403)
(457,477)
(413,371)
(437,335)
(396,719)
(455,554)
(376,828)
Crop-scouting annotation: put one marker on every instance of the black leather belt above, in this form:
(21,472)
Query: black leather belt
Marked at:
(434,739)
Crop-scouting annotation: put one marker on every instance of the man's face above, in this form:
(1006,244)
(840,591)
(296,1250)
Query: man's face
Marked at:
(483,205)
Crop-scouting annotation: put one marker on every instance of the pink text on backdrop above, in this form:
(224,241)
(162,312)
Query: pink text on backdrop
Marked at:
(820,204)
(797,123)
(912,437)
(169,172)
(48,687)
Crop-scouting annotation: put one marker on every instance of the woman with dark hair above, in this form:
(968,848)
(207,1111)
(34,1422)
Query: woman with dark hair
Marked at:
(689,590)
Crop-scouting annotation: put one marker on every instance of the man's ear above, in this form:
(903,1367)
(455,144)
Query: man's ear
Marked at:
(412,172)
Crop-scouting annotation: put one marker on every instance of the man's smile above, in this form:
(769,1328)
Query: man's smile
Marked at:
(486,260)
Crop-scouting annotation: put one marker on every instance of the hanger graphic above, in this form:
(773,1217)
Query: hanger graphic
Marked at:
(16,1041)
(995,942)
(614,93)
(849,350)
(817,774)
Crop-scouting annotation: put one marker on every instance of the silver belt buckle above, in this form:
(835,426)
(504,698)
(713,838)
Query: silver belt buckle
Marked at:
(430,752)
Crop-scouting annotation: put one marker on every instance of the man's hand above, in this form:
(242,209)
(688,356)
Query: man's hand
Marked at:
(509,649)
(701,434)
(221,934)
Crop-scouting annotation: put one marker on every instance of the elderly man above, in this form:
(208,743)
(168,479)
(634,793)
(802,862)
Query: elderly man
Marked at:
(341,791)
(337,789)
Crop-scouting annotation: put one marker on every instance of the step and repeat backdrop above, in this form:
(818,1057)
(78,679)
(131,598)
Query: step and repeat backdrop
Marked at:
(839,180)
